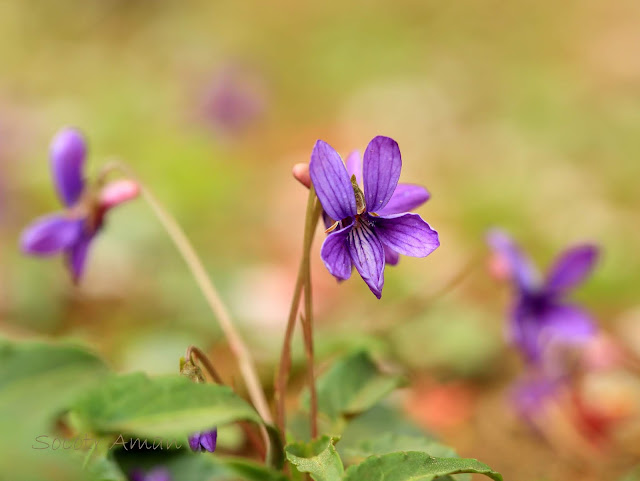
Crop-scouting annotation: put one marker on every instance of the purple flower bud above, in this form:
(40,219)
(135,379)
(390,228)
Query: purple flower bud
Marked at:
(204,441)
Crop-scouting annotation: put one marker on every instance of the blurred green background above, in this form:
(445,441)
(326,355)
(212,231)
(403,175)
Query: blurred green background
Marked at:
(523,115)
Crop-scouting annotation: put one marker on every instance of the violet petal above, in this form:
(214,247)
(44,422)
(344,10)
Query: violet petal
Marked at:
(407,234)
(567,324)
(521,268)
(67,153)
(335,253)
(50,234)
(524,330)
(194,442)
(405,198)
(354,166)
(572,267)
(77,255)
(367,255)
(326,220)
(382,164)
(209,439)
(331,182)
(391,257)
(531,396)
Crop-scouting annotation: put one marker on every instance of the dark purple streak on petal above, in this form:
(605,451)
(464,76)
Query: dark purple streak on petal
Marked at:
(335,253)
(331,182)
(367,255)
(406,234)
(382,164)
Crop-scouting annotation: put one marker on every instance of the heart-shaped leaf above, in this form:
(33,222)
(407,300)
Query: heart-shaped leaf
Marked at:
(413,465)
(319,458)
(353,385)
(168,406)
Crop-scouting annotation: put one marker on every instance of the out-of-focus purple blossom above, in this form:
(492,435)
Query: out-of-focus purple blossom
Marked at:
(532,395)
(371,225)
(156,474)
(234,101)
(71,232)
(204,441)
(541,316)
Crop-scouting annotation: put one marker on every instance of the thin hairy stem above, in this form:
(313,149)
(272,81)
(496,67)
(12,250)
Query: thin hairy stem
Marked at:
(307,320)
(193,351)
(197,353)
(311,220)
(236,344)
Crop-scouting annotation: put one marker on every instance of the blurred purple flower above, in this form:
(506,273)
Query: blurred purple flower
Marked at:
(72,231)
(373,225)
(541,315)
(156,474)
(234,101)
(204,441)
(532,395)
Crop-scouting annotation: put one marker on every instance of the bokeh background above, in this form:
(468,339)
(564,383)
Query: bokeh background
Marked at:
(523,115)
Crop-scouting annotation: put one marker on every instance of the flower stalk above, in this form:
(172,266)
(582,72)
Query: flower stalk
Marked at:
(303,283)
(195,353)
(220,311)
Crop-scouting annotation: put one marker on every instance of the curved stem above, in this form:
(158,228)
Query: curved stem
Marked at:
(204,360)
(313,212)
(194,351)
(182,243)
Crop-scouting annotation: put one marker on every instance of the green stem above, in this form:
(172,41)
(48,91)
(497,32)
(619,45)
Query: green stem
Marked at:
(185,248)
(307,321)
(311,220)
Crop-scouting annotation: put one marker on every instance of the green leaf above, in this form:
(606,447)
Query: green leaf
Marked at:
(168,406)
(353,385)
(319,458)
(414,466)
(390,443)
(105,469)
(251,471)
(38,380)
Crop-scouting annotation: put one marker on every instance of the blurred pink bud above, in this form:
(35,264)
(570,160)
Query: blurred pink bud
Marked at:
(301,173)
(498,267)
(118,192)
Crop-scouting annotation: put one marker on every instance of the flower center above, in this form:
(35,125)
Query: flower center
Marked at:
(361,205)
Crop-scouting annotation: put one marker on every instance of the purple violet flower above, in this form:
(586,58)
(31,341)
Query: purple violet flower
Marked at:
(532,395)
(235,100)
(156,474)
(373,225)
(204,441)
(72,231)
(541,316)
